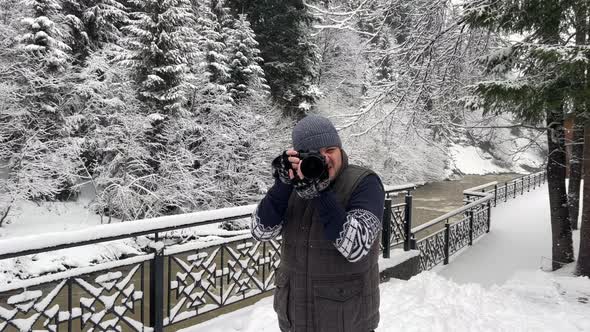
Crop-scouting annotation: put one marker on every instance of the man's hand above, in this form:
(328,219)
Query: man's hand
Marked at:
(286,167)
(294,165)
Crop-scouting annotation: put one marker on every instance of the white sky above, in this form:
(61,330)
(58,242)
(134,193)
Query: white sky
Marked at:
(497,285)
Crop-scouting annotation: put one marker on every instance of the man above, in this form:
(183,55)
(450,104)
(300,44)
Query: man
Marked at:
(328,279)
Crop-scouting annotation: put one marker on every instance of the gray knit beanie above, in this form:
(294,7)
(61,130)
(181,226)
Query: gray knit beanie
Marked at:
(314,132)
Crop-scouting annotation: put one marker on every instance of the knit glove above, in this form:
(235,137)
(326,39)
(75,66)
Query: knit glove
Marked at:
(311,188)
(281,167)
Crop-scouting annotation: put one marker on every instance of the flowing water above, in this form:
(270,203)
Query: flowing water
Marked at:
(435,199)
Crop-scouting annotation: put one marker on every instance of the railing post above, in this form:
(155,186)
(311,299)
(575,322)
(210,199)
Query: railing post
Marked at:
(489,216)
(413,242)
(470,214)
(447,238)
(157,289)
(528,184)
(505,191)
(408,222)
(514,190)
(522,187)
(496,194)
(386,233)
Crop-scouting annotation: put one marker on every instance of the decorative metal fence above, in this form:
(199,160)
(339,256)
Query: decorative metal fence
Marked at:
(163,288)
(457,229)
(397,217)
(508,190)
(168,284)
(172,282)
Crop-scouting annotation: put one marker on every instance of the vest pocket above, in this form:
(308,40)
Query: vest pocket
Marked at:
(281,299)
(338,306)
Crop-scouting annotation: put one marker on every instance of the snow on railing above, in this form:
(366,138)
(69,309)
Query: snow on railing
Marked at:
(32,244)
(389,190)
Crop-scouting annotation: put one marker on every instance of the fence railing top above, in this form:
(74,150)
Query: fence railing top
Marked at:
(521,178)
(452,213)
(480,187)
(25,245)
(398,188)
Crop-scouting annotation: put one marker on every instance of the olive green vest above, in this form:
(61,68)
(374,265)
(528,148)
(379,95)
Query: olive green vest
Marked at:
(317,289)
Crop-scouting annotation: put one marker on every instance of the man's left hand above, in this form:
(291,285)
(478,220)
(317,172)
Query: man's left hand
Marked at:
(308,188)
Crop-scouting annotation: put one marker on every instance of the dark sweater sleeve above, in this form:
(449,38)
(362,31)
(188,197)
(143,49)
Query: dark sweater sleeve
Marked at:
(355,227)
(268,218)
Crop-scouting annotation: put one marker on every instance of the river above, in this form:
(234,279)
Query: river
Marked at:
(435,199)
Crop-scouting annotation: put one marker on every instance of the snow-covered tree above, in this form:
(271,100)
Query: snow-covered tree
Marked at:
(211,72)
(247,77)
(92,23)
(212,43)
(44,36)
(419,62)
(534,78)
(38,153)
(161,50)
(291,58)
(223,17)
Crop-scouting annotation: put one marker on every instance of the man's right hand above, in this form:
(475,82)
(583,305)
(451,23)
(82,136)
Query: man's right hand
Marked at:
(295,161)
(286,167)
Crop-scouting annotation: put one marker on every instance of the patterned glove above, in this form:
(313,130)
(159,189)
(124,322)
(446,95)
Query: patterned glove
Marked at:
(281,167)
(311,188)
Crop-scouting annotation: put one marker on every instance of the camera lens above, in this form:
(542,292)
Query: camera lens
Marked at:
(312,167)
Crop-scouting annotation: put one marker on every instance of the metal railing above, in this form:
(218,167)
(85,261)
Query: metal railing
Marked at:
(507,190)
(166,285)
(397,217)
(171,281)
(457,229)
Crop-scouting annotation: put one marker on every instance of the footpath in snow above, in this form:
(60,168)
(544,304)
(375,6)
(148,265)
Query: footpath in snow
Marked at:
(496,285)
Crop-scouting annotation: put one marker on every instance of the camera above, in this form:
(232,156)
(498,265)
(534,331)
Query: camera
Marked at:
(313,164)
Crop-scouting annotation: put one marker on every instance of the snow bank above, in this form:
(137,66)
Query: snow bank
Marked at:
(473,160)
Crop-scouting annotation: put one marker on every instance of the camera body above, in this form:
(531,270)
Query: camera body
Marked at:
(313,164)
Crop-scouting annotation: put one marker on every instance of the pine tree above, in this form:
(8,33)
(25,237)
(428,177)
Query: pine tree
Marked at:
(44,37)
(291,57)
(212,41)
(223,17)
(247,77)
(211,74)
(161,51)
(92,23)
(44,163)
(547,77)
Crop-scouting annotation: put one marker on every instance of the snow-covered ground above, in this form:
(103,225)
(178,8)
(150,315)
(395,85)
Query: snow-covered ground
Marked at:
(520,239)
(469,159)
(496,285)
